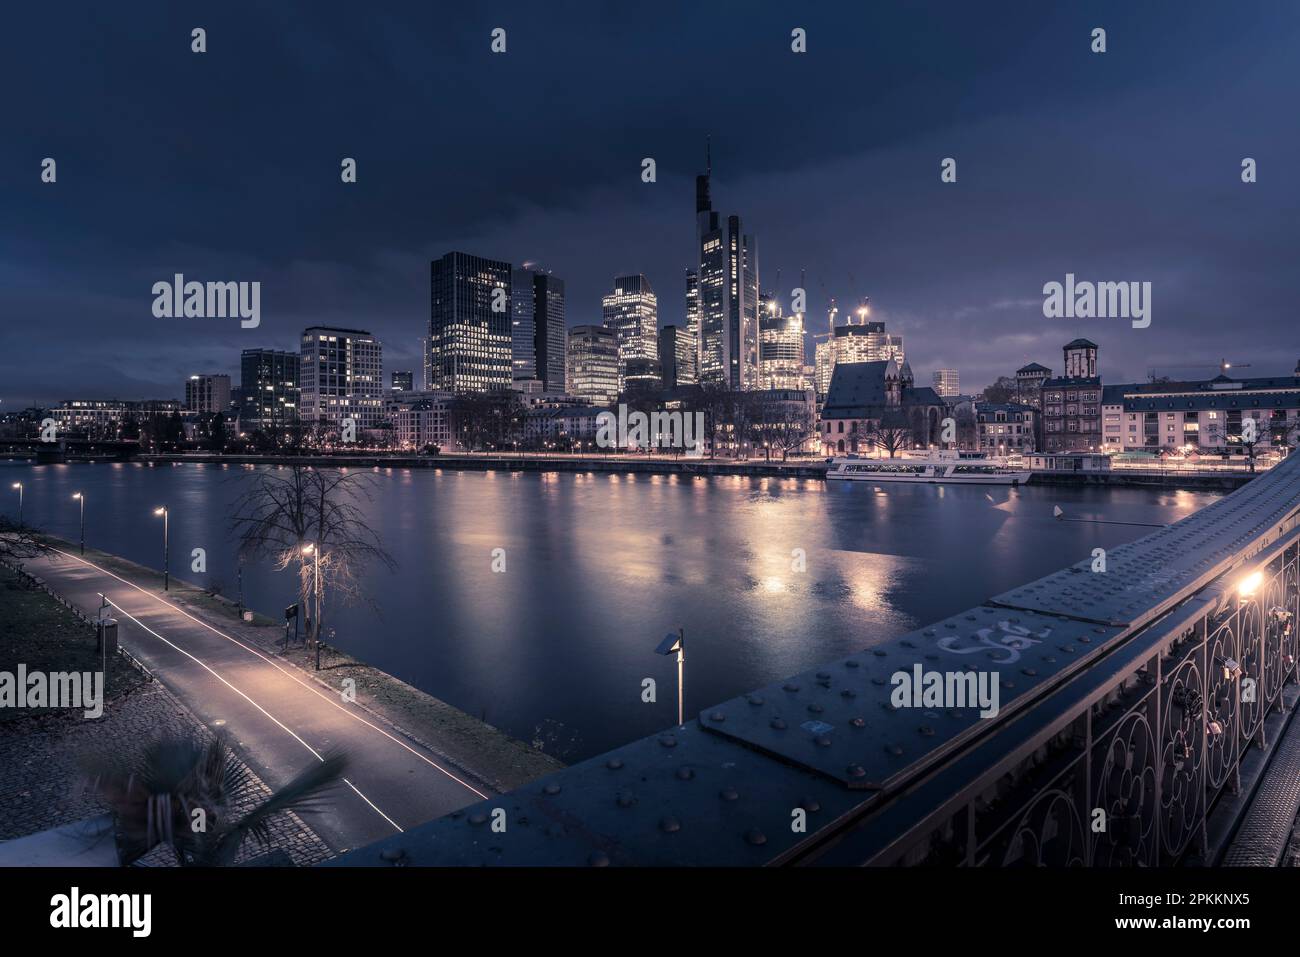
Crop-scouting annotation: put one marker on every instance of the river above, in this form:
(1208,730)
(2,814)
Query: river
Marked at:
(598,567)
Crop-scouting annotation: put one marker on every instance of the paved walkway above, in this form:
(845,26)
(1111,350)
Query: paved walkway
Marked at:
(278,718)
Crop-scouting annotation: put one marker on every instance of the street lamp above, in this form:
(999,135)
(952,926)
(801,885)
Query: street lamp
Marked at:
(19,486)
(82,499)
(311,549)
(676,643)
(167,577)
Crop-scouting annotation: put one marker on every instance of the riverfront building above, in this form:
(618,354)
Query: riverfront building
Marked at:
(1005,429)
(470,340)
(342,377)
(403,381)
(873,402)
(1213,416)
(269,389)
(1071,404)
(421,419)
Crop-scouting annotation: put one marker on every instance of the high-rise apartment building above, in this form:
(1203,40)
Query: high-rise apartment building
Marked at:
(593,365)
(208,393)
(470,341)
(631,312)
(271,394)
(341,374)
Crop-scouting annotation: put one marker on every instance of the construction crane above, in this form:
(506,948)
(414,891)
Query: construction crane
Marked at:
(1223,366)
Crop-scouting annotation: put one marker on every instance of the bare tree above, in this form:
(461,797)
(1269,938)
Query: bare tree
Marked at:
(890,434)
(17,544)
(310,518)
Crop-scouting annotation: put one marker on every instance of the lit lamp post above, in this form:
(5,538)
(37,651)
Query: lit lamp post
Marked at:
(19,486)
(167,577)
(82,499)
(676,643)
(315,627)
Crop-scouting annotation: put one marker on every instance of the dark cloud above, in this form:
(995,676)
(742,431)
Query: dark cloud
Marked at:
(225,166)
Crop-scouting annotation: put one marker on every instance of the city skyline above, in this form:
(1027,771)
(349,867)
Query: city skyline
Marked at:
(1044,186)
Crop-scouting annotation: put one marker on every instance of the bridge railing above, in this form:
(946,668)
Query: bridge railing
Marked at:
(1129,694)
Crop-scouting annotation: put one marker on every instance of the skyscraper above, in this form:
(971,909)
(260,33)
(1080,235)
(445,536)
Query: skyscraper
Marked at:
(268,382)
(631,312)
(523,325)
(550,332)
(780,347)
(469,324)
(728,295)
(947,382)
(593,364)
(341,374)
(678,353)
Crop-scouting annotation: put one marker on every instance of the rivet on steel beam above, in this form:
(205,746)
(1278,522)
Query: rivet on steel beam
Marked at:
(598,859)
(478,817)
(778,724)
(717,716)
(810,804)
(756,837)
(729,794)
(856,771)
(614,763)
(790,686)
(668,741)
(670,825)
(926,731)
(685,774)
(894,749)
(823,740)
(815,709)
(625,799)
(857,722)
(754,699)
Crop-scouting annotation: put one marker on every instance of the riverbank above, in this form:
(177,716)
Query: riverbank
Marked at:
(624,464)
(44,750)
(471,745)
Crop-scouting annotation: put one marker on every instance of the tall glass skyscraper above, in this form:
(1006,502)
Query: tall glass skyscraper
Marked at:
(631,312)
(342,376)
(728,295)
(470,341)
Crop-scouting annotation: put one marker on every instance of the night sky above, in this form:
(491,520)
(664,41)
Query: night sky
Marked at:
(225,166)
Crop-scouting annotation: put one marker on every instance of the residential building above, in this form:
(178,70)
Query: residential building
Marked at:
(341,376)
(1071,404)
(206,394)
(1029,383)
(1005,429)
(269,385)
(421,419)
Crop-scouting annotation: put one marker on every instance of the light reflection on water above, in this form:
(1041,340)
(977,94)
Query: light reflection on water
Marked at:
(600,566)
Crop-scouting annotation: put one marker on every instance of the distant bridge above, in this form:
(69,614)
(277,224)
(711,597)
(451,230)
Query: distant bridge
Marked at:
(1150,698)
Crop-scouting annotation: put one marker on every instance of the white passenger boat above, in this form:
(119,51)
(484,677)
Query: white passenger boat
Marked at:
(951,467)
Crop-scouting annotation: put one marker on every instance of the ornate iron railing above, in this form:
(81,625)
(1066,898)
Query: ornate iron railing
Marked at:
(1129,699)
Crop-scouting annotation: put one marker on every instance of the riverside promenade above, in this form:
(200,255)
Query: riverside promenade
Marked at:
(280,717)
